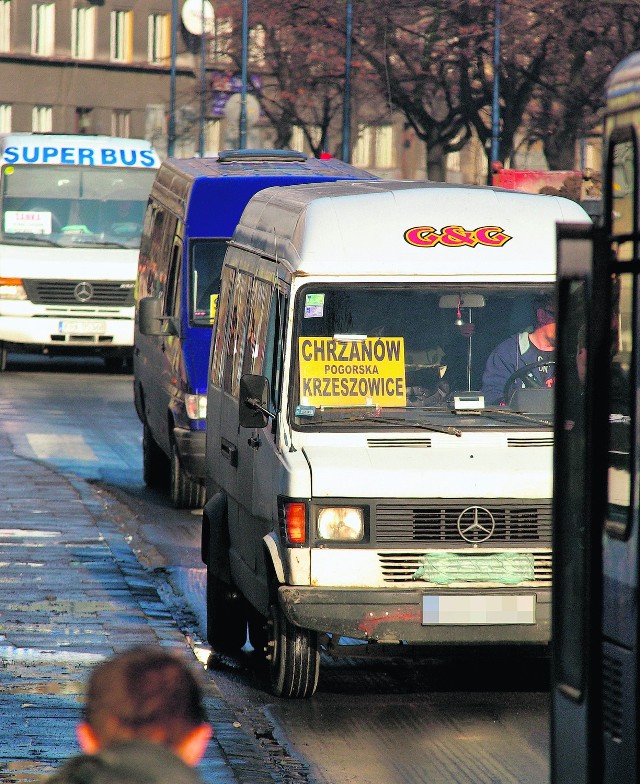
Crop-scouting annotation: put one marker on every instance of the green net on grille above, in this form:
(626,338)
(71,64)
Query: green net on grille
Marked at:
(507,568)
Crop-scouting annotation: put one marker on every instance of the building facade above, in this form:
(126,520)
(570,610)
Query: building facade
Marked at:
(90,66)
(105,66)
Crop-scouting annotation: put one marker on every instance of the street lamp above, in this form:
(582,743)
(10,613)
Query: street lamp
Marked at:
(171,140)
(203,79)
(495,110)
(346,105)
(243,88)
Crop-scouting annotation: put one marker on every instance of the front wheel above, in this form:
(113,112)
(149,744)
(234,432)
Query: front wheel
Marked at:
(293,656)
(186,492)
(226,616)
(154,460)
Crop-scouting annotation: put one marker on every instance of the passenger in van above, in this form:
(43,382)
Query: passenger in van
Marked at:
(444,369)
(535,348)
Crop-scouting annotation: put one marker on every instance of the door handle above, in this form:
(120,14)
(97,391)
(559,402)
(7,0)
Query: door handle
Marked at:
(229,451)
(254,441)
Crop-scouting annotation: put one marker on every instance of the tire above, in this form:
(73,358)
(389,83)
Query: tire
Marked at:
(294,657)
(226,616)
(186,493)
(154,461)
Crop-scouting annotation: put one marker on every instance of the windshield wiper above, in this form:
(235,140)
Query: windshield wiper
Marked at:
(30,239)
(452,431)
(537,419)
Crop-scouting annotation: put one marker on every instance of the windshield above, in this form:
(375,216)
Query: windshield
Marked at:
(67,205)
(436,356)
(206,265)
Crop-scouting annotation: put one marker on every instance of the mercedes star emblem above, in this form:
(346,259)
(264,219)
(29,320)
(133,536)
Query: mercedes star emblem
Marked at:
(83,291)
(476,524)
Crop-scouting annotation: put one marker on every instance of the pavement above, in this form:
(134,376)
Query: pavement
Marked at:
(72,592)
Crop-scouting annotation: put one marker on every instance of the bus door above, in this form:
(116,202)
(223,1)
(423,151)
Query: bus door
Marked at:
(595,545)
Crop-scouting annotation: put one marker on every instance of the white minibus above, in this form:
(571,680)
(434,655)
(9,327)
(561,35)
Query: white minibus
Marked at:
(71,212)
(375,471)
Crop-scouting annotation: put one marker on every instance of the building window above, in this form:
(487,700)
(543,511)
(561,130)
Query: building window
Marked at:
(5,118)
(257,45)
(384,149)
(121,46)
(299,139)
(220,48)
(83,33)
(374,147)
(83,119)
(159,39)
(361,155)
(121,123)
(212,136)
(42,119)
(43,28)
(5,25)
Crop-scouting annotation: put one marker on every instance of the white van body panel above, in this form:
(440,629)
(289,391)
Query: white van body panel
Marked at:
(401,237)
(472,463)
(358,232)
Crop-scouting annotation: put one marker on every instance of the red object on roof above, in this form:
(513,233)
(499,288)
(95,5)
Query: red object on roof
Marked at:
(531,181)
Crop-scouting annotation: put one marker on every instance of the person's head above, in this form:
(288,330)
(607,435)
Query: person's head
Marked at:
(145,694)
(546,319)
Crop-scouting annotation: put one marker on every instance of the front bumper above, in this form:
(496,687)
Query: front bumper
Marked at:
(54,331)
(390,616)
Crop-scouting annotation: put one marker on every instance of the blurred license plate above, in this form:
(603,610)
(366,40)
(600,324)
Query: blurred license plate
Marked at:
(478,610)
(81,327)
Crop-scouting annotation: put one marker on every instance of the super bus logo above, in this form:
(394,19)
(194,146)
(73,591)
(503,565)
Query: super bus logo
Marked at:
(457,237)
(81,156)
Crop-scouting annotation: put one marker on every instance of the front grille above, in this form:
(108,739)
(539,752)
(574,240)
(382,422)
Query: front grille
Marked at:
(94,293)
(419,522)
(399,567)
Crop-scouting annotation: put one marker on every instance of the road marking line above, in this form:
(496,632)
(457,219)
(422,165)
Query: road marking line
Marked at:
(48,446)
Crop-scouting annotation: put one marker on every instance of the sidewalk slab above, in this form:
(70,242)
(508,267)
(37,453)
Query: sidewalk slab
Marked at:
(73,593)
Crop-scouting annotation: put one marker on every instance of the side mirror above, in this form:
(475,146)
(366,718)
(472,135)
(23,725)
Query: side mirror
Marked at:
(150,318)
(254,401)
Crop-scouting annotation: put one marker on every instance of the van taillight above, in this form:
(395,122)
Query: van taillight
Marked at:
(295,521)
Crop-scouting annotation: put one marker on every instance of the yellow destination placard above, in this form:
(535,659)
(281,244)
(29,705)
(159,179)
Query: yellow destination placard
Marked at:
(352,371)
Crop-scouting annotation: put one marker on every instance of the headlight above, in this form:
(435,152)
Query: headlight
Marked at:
(341,523)
(196,406)
(12,288)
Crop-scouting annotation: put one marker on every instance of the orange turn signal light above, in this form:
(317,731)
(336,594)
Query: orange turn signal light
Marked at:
(295,518)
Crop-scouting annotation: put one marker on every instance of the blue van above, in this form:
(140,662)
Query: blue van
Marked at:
(193,209)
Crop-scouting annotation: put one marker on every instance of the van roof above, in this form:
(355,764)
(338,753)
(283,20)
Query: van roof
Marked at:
(383,227)
(246,163)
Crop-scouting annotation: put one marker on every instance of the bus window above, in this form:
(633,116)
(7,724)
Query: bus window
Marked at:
(620,452)
(622,196)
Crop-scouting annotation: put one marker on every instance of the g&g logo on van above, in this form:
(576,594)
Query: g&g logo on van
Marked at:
(457,237)
(81,156)
(352,371)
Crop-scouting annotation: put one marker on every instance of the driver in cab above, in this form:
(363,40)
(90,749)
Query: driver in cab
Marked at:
(529,354)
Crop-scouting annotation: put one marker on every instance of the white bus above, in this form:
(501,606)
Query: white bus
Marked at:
(71,211)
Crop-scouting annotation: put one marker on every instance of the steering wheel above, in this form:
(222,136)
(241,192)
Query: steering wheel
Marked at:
(525,374)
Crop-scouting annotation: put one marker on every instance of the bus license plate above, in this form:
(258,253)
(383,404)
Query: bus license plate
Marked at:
(81,327)
(477,610)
